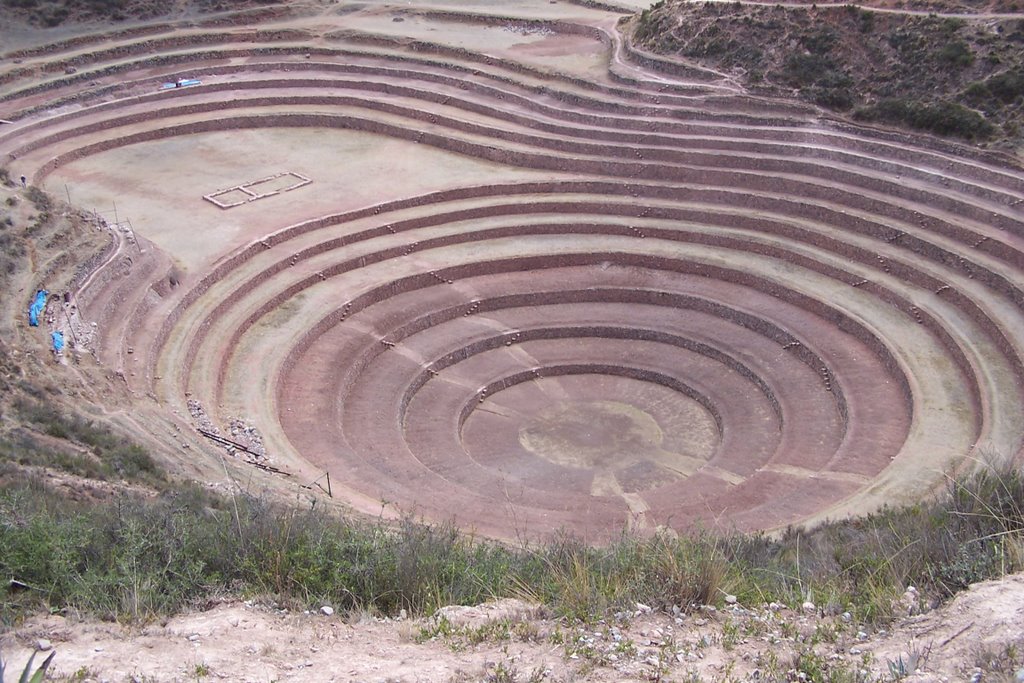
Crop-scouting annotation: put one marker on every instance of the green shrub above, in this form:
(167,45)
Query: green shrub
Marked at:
(813,71)
(977,93)
(649,26)
(941,118)
(952,25)
(834,98)
(805,69)
(867,21)
(1007,86)
(819,42)
(956,54)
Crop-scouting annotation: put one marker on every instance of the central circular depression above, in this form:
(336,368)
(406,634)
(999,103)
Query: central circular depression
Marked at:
(646,436)
(601,434)
(552,395)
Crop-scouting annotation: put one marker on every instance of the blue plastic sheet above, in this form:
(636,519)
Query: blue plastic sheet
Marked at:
(58,341)
(37,307)
(181,83)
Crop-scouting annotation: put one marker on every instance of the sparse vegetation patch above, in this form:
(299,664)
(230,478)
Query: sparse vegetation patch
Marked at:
(78,446)
(50,13)
(950,77)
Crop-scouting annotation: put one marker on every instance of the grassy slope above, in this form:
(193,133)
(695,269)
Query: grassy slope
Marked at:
(945,76)
(136,557)
(43,244)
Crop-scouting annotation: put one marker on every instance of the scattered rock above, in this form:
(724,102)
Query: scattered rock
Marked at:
(248,435)
(808,606)
(199,415)
(730,599)
(43,645)
(327,610)
(910,602)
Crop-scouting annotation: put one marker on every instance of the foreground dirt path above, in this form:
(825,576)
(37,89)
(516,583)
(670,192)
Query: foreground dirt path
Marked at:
(234,641)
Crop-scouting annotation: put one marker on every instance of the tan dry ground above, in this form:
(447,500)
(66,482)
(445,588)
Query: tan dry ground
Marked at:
(159,185)
(237,642)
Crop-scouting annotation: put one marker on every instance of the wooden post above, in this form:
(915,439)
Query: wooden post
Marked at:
(71,328)
(135,237)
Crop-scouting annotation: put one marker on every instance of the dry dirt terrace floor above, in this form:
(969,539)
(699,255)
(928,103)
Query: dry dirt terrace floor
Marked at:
(485,261)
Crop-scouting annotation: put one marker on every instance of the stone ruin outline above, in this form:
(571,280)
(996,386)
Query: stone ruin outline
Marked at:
(302,181)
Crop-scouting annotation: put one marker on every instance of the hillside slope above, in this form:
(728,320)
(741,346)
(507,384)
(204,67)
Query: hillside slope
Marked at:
(953,76)
(50,13)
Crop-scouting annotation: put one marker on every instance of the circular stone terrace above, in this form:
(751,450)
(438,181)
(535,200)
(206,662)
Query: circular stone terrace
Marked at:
(491,264)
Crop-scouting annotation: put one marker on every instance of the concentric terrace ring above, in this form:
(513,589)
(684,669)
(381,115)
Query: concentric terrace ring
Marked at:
(644,298)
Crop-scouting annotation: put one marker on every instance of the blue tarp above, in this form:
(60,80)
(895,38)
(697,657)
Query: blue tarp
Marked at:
(58,341)
(181,83)
(37,307)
